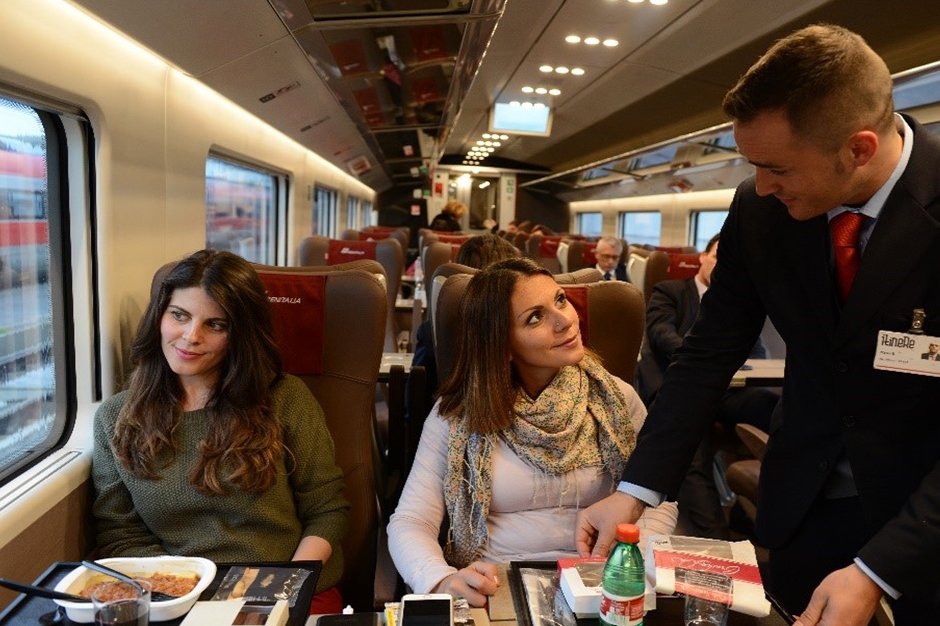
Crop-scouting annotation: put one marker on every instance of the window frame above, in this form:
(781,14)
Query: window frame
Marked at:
(272,250)
(61,149)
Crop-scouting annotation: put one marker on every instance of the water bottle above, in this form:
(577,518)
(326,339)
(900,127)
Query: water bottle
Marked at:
(624,586)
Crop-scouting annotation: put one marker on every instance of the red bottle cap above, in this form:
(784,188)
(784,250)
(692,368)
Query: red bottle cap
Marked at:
(628,533)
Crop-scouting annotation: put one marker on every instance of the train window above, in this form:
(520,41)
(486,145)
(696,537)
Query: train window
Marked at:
(369,217)
(352,212)
(641,227)
(34,412)
(325,208)
(590,224)
(240,209)
(704,226)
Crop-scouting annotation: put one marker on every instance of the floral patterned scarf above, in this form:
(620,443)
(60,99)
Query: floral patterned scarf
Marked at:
(579,420)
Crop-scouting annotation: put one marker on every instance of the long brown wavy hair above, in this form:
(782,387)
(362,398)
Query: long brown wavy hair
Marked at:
(245,440)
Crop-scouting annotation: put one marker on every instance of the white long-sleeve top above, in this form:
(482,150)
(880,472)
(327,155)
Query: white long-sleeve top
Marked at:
(532,515)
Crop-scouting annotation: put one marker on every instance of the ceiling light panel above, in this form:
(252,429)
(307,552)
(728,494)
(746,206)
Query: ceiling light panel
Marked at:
(616,30)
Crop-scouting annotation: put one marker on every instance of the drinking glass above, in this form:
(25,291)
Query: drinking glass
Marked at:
(122,604)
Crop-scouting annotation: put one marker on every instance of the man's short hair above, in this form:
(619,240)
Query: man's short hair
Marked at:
(826,79)
(711,242)
(613,242)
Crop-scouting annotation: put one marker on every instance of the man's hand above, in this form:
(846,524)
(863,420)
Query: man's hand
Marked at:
(846,597)
(596,529)
(474,582)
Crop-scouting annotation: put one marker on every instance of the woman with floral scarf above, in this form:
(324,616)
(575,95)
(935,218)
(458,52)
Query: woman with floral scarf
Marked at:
(529,429)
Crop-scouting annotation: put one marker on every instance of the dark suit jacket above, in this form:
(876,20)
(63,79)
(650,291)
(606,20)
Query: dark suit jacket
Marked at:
(620,273)
(670,313)
(834,401)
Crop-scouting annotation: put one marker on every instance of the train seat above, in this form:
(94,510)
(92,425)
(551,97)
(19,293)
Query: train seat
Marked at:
(338,359)
(319,251)
(662,265)
(544,251)
(435,254)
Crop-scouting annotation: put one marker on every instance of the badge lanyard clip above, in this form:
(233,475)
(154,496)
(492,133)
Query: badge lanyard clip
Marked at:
(917,323)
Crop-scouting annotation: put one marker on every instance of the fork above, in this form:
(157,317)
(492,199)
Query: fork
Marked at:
(155,596)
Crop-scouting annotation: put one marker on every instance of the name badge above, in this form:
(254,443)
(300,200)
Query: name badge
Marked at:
(908,353)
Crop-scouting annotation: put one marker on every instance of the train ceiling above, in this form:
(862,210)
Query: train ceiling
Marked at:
(381,88)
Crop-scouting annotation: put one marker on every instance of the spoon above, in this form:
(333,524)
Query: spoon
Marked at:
(155,596)
(42,592)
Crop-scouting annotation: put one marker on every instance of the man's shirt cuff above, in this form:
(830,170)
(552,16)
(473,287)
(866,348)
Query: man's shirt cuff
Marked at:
(644,495)
(888,589)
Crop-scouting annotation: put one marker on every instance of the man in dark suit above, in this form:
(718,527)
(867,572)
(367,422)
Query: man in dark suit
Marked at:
(608,252)
(933,353)
(850,482)
(672,309)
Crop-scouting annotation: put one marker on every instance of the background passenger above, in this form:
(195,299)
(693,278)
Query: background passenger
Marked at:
(671,311)
(608,251)
(449,217)
(529,428)
(477,252)
(212,451)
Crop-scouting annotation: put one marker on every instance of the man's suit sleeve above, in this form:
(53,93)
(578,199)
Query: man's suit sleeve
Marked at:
(729,322)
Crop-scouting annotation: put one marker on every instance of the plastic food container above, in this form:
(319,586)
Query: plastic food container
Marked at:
(77,579)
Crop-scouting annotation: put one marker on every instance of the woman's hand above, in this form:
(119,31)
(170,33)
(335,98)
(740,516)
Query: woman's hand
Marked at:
(474,582)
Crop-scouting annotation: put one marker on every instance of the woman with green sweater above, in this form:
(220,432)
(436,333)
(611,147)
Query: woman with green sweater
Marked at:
(213,451)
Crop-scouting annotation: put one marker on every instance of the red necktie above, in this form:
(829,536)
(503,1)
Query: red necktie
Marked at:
(845,228)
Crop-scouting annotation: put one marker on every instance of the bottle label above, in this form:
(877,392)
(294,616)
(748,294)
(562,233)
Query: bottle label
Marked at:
(621,610)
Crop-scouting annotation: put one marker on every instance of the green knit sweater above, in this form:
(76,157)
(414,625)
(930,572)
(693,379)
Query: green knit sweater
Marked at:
(138,517)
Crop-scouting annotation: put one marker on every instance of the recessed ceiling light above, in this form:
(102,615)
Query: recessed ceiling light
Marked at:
(497,143)
(572,39)
(554,92)
(488,143)
(527,89)
(592,41)
(480,142)
(577,71)
(546,68)
(526,104)
(636,1)
(610,43)
(541,91)
(658,1)
(561,69)
(486,135)
(539,105)
(504,137)
(514,103)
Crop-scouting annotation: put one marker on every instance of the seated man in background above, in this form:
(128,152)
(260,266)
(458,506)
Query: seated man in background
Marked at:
(608,253)
(670,313)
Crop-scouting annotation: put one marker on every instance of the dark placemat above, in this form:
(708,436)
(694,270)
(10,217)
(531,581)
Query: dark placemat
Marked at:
(29,610)
(669,609)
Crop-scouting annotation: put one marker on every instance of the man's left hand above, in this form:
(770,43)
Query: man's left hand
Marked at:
(846,597)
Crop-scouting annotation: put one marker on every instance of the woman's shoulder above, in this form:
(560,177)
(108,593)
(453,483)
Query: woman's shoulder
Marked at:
(291,396)
(109,409)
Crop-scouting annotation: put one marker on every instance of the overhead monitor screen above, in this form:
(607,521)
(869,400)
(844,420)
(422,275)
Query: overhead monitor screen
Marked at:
(521,120)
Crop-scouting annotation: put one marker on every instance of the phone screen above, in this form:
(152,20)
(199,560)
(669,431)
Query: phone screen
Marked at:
(426,613)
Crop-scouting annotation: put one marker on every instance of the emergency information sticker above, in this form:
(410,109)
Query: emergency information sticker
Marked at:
(908,353)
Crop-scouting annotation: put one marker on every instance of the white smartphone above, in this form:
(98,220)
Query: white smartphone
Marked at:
(427,609)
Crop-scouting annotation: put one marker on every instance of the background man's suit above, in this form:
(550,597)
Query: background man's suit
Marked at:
(834,403)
